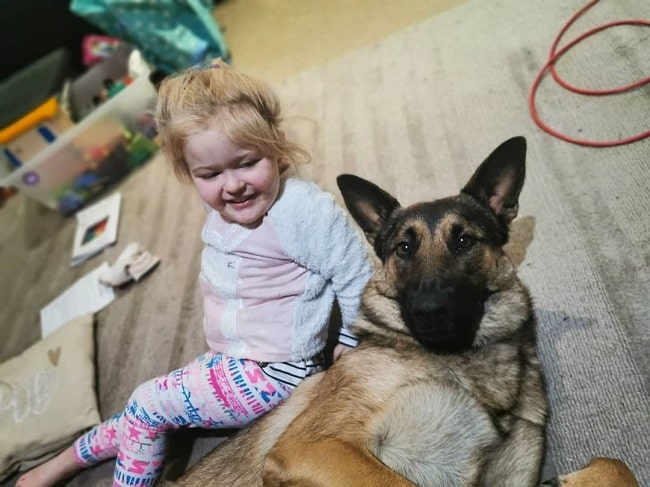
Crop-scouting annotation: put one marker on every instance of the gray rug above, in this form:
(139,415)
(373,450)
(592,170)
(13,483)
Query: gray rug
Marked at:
(416,113)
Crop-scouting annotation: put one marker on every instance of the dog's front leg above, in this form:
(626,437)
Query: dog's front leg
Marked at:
(517,462)
(327,463)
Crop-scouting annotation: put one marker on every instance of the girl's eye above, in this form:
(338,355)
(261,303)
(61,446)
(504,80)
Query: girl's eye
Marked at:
(249,163)
(464,242)
(210,175)
(404,250)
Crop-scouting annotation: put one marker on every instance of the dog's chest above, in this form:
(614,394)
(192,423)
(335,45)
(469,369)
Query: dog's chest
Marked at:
(493,376)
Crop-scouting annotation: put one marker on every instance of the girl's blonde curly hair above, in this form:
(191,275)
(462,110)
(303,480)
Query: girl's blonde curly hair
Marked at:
(245,109)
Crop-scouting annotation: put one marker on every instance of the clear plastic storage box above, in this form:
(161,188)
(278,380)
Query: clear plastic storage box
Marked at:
(101,149)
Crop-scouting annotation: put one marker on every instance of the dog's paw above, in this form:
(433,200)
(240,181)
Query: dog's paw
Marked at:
(600,472)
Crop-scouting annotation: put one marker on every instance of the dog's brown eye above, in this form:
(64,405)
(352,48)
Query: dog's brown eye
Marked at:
(404,249)
(464,242)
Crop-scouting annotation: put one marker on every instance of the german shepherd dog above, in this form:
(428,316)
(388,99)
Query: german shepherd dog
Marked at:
(445,387)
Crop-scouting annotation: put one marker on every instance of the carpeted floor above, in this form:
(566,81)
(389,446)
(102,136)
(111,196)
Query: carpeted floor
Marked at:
(275,40)
(416,112)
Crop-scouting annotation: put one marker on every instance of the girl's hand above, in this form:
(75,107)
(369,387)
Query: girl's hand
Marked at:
(339,351)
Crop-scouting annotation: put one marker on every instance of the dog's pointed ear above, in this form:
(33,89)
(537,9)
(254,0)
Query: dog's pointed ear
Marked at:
(368,204)
(498,180)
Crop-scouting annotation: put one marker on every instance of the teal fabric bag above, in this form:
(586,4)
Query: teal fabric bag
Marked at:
(170,34)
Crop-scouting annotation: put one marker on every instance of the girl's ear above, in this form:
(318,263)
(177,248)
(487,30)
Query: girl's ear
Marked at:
(283,165)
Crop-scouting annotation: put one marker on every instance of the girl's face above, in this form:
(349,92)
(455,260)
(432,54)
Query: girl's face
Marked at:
(237,182)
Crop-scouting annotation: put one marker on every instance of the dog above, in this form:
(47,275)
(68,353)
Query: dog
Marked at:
(445,387)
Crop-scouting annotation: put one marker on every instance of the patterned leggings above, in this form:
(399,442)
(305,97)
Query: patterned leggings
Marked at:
(214,391)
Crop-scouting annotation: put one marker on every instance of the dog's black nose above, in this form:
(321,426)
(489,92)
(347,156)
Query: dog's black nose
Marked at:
(437,293)
(443,314)
(432,310)
(431,305)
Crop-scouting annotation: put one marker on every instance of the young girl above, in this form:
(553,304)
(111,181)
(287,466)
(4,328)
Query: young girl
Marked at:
(278,252)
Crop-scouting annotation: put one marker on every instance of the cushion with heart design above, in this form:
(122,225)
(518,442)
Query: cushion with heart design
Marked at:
(47,396)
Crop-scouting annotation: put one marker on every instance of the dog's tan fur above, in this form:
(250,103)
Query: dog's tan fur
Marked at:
(397,411)
(600,472)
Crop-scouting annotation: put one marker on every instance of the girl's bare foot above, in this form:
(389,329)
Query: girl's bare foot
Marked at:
(49,473)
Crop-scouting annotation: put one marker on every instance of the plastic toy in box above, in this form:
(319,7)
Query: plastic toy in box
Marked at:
(29,140)
(100,150)
(105,165)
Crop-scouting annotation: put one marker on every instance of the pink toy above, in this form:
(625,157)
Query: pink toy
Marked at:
(95,48)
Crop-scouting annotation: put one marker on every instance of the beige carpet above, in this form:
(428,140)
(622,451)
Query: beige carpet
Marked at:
(276,39)
(416,112)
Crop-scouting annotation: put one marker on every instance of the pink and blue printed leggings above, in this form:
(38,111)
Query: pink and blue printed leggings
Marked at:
(214,391)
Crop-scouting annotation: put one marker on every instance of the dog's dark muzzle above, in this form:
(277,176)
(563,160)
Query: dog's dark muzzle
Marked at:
(444,314)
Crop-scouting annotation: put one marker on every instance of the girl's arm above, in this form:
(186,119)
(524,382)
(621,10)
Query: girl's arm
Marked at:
(328,243)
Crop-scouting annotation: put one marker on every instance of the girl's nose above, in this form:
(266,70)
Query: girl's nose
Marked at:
(232,183)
